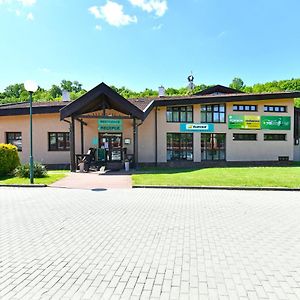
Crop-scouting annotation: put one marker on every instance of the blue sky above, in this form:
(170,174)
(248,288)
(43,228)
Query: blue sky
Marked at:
(146,43)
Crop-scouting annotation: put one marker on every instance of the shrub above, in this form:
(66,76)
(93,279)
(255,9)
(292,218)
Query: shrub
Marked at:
(9,159)
(23,171)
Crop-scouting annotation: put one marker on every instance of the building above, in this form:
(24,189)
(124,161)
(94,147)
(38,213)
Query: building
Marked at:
(216,125)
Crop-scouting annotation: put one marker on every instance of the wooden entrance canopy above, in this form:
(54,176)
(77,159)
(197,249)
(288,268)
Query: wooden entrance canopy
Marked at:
(100,98)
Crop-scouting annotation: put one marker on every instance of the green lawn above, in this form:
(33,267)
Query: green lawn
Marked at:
(244,177)
(52,177)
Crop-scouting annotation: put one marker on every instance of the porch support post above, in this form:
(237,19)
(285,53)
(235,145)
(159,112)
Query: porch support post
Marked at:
(135,143)
(82,137)
(72,145)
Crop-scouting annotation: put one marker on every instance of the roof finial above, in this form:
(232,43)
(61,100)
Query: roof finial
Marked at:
(191,78)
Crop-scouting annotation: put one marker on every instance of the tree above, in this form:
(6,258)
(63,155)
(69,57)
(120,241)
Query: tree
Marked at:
(55,91)
(237,84)
(14,90)
(77,87)
(66,85)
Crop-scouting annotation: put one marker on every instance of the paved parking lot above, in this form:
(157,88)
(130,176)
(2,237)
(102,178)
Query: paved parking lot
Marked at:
(168,244)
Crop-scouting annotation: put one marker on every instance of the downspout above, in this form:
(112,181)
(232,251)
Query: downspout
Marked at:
(136,142)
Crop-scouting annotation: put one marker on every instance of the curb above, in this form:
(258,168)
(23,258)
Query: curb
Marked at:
(24,185)
(229,188)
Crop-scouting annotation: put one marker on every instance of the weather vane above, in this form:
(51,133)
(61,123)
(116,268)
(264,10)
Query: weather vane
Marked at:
(191,78)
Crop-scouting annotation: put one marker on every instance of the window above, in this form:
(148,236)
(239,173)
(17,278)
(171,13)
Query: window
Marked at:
(59,141)
(14,138)
(180,114)
(179,146)
(274,137)
(213,146)
(273,108)
(213,113)
(244,137)
(244,107)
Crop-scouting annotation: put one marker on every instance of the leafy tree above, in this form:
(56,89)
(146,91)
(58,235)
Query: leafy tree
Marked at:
(66,85)
(55,91)
(237,83)
(76,87)
(17,93)
(14,90)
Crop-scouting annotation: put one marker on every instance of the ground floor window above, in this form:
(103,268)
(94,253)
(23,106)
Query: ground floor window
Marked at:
(14,138)
(213,146)
(179,146)
(59,141)
(274,137)
(244,137)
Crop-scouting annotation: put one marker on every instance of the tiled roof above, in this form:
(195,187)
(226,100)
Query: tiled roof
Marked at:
(144,104)
(34,104)
(141,103)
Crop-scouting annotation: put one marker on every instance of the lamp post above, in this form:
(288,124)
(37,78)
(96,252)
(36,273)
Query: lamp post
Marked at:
(31,87)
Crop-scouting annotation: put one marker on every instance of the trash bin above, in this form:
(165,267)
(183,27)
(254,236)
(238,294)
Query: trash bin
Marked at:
(81,167)
(126,166)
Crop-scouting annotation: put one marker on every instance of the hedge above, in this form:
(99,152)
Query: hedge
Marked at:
(9,159)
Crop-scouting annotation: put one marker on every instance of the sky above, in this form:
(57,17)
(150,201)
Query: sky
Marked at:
(147,43)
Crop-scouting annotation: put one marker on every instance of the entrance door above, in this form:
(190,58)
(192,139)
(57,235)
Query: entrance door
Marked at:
(111,145)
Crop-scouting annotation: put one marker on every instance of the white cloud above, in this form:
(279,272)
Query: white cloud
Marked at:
(157,27)
(19,7)
(94,10)
(98,27)
(158,6)
(27,2)
(113,14)
(44,70)
(30,16)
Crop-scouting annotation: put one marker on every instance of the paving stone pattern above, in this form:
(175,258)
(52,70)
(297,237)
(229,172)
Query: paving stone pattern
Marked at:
(142,244)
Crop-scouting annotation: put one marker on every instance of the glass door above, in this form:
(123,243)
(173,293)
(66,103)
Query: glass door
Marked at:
(111,146)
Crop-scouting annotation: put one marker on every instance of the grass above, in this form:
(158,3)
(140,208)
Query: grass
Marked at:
(50,178)
(242,177)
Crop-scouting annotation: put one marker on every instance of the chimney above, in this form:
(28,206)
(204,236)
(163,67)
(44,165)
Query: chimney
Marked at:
(161,91)
(65,96)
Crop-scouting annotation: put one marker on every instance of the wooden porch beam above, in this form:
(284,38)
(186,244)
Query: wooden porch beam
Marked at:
(104,117)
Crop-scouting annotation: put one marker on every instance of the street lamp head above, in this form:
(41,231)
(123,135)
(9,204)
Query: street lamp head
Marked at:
(30,86)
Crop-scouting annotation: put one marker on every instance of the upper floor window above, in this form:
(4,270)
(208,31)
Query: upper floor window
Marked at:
(180,114)
(275,108)
(14,138)
(237,107)
(59,141)
(214,113)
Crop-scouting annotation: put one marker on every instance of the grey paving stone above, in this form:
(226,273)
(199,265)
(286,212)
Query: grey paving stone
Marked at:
(144,244)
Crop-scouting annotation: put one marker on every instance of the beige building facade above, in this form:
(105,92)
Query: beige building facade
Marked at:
(220,126)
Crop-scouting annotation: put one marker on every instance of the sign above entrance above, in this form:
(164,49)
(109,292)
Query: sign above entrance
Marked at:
(108,125)
(244,122)
(188,127)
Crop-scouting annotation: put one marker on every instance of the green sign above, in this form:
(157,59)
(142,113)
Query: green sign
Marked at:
(107,125)
(243,122)
(275,123)
(236,122)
